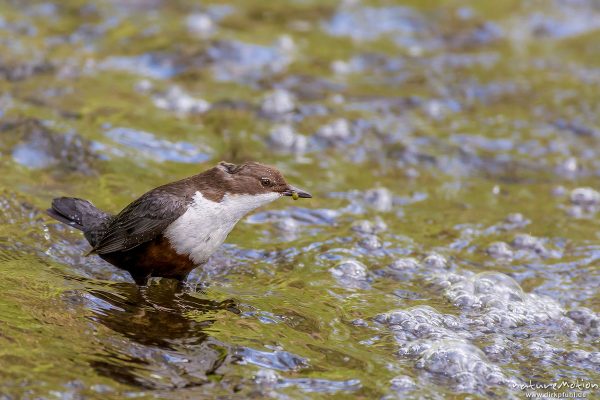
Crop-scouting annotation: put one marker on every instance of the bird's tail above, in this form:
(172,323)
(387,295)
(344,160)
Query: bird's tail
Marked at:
(80,214)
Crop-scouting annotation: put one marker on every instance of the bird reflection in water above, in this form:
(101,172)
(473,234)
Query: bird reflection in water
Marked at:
(163,343)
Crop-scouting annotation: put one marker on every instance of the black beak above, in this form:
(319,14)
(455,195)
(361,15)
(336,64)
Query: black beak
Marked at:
(301,193)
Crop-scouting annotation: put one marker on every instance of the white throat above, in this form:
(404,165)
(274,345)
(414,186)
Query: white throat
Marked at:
(206,224)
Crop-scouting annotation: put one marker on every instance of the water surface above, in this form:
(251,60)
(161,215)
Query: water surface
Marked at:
(451,248)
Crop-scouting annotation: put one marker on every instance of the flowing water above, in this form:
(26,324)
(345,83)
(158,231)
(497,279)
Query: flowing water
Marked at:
(451,249)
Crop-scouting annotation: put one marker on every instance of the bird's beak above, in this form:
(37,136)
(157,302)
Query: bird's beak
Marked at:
(294,191)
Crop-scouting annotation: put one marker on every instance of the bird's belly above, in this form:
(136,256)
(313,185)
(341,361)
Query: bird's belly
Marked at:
(199,235)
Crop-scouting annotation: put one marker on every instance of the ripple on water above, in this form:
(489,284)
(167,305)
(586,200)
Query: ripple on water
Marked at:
(461,363)
(242,62)
(40,147)
(177,100)
(148,145)
(351,274)
(284,138)
(278,102)
(278,359)
(369,23)
(157,66)
(269,378)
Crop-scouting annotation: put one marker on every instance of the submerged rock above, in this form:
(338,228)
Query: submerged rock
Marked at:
(402,383)
(278,102)
(368,226)
(435,261)
(350,269)
(530,246)
(177,100)
(200,24)
(284,138)
(369,23)
(351,274)
(22,71)
(148,145)
(39,147)
(587,319)
(380,199)
(499,250)
(243,62)
(157,66)
(335,133)
(585,196)
(278,359)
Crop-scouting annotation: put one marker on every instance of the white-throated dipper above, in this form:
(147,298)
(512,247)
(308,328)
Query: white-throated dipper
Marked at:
(176,227)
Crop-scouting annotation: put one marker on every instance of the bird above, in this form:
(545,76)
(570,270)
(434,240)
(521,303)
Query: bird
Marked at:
(174,228)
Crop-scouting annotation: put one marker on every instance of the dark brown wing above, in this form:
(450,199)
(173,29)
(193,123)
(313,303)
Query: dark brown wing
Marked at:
(141,221)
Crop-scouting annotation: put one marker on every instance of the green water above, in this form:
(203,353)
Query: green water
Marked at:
(462,113)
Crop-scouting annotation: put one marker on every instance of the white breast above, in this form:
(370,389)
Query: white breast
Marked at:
(206,224)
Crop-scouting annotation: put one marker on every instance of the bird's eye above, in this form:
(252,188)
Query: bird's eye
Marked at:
(265,182)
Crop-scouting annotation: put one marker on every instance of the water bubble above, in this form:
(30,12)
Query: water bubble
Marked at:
(350,269)
(462,363)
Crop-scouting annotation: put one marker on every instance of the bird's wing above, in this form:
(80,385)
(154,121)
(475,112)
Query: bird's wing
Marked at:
(140,222)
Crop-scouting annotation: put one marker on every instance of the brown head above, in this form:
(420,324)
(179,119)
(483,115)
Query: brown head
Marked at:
(255,178)
(249,178)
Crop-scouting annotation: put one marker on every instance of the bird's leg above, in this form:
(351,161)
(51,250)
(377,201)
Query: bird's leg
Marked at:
(140,280)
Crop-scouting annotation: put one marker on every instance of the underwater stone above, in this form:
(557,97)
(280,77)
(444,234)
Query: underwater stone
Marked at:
(335,133)
(404,264)
(559,191)
(242,62)
(278,359)
(278,102)
(367,226)
(341,67)
(284,138)
(177,100)
(515,218)
(287,224)
(266,377)
(157,66)
(402,383)
(380,199)
(589,320)
(286,44)
(363,226)
(200,24)
(585,196)
(144,86)
(40,147)
(369,23)
(371,242)
(527,242)
(499,250)
(435,261)
(147,144)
